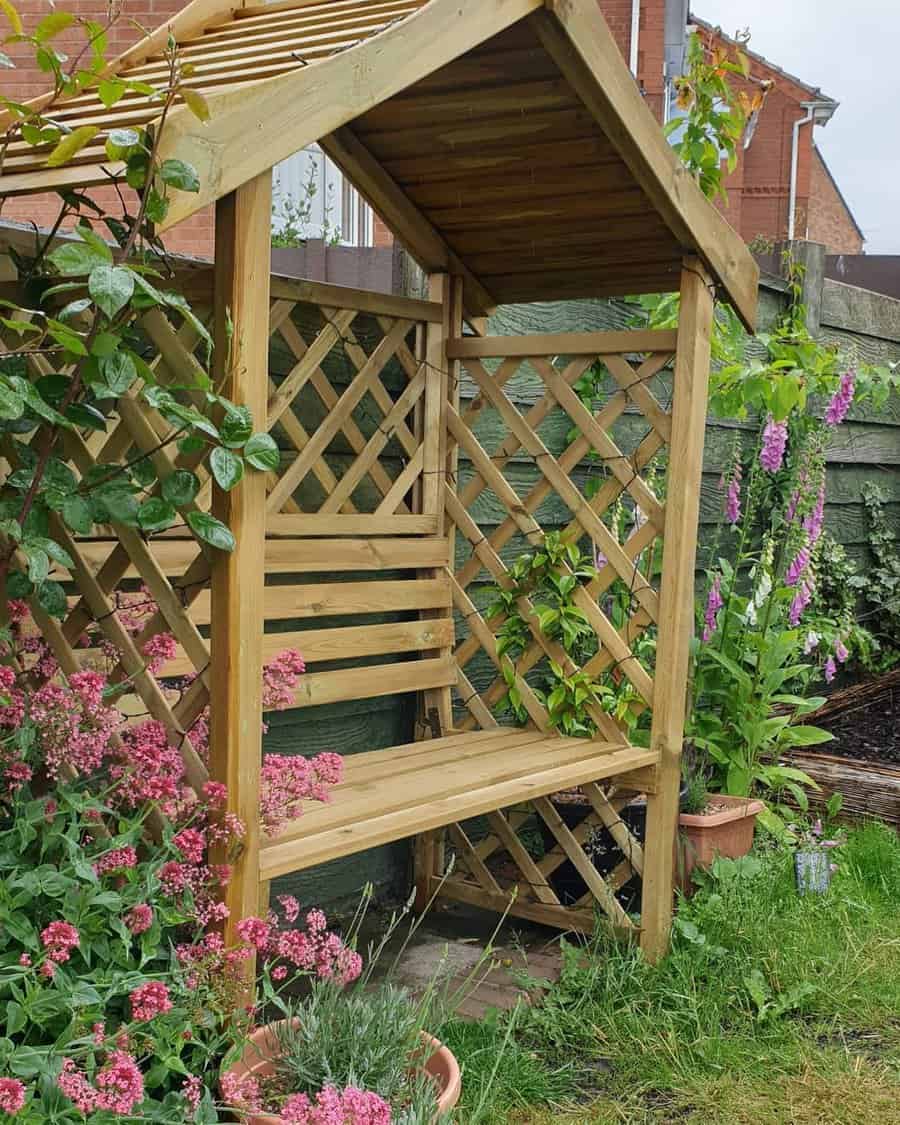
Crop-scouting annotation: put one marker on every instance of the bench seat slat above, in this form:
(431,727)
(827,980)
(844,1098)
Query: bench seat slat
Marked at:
(468,777)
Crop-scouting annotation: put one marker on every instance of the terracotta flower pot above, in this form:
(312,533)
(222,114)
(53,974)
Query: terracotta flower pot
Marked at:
(258,1056)
(726,831)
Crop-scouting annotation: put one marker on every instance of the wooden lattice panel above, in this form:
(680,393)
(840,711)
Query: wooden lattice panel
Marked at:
(528,439)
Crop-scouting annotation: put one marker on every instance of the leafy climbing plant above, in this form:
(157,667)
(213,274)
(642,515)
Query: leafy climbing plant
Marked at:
(73,341)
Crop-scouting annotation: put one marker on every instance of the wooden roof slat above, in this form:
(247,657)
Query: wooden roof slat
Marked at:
(247,29)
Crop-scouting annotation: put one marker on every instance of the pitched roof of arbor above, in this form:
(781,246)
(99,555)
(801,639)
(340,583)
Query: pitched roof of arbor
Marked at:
(504,140)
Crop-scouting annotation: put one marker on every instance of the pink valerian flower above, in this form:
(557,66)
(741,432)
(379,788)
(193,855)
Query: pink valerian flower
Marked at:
(98,1033)
(291,908)
(116,860)
(148,766)
(830,669)
(75,728)
(191,842)
(255,932)
(25,960)
(714,603)
(158,651)
(287,781)
(842,399)
(774,443)
(120,1084)
(59,939)
(76,1087)
(7,679)
(150,1000)
(797,567)
(215,794)
(139,918)
(12,1096)
(192,1092)
(240,1091)
(336,1107)
(799,602)
(280,677)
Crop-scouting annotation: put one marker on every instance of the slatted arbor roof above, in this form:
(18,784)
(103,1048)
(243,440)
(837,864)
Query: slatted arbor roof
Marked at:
(503,139)
(506,144)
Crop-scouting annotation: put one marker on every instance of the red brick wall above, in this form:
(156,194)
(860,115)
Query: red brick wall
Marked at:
(829,220)
(195,235)
(651,43)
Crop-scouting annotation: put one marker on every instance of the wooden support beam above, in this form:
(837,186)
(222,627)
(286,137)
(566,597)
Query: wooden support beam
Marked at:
(617,342)
(252,127)
(402,215)
(676,622)
(243,223)
(586,53)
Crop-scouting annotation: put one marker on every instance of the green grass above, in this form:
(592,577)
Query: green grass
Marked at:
(770,1008)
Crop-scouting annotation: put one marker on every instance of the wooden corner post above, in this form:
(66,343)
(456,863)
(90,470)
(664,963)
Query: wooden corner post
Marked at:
(242,267)
(676,622)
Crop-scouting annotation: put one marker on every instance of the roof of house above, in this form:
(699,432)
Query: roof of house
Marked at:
(814,91)
(503,140)
(840,194)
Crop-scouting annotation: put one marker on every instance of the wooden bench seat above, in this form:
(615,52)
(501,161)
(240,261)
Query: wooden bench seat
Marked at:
(395,793)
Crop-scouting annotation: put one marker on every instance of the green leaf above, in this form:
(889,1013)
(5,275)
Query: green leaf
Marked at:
(123,138)
(227,467)
(52,25)
(196,103)
(71,145)
(211,530)
(12,405)
(111,288)
(156,515)
(237,425)
(77,515)
(119,373)
(38,564)
(180,488)
(110,90)
(75,259)
(122,507)
(262,453)
(806,736)
(178,174)
(84,415)
(52,599)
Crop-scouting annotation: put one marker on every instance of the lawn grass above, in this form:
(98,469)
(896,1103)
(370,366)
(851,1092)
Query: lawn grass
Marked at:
(771,1008)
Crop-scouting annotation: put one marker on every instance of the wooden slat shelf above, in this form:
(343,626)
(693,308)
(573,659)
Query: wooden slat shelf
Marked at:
(390,794)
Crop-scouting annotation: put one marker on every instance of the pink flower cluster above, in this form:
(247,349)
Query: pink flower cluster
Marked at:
(12,1096)
(287,781)
(774,443)
(150,1000)
(280,678)
(116,860)
(313,950)
(59,939)
(75,727)
(337,1107)
(158,651)
(733,495)
(152,768)
(118,1087)
(842,399)
(139,918)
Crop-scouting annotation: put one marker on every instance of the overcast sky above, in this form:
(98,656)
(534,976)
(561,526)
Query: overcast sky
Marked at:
(849,50)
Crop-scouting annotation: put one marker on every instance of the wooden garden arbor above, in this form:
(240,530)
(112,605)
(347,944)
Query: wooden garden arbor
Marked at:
(507,146)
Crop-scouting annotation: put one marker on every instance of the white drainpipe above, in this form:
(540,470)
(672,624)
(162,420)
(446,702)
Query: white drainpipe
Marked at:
(635,33)
(817,113)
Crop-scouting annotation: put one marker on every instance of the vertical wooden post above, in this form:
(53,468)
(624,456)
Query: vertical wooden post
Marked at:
(440,386)
(676,621)
(242,267)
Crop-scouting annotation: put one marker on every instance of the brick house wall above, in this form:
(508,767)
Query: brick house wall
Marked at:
(830,221)
(758,189)
(194,235)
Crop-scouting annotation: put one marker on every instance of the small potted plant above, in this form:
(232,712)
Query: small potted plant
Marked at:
(813,859)
(711,824)
(345,1046)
